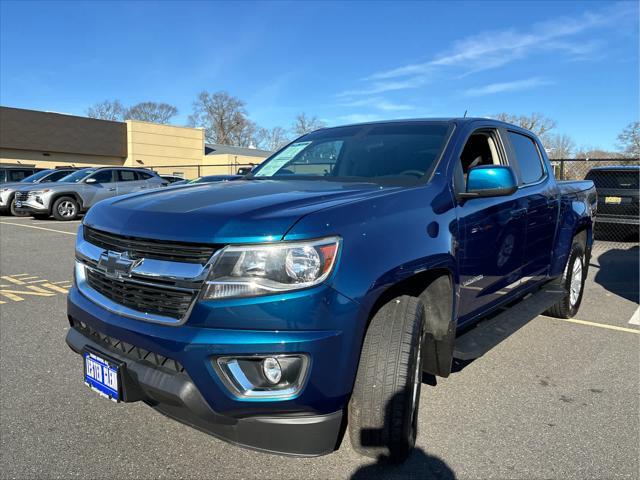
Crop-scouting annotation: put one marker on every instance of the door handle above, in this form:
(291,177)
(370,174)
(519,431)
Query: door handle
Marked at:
(112,189)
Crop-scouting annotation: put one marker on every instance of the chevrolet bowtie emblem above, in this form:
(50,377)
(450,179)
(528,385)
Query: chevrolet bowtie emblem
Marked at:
(116,264)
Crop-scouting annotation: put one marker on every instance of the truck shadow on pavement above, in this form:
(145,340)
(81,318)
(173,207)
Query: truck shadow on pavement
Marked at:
(618,272)
(419,464)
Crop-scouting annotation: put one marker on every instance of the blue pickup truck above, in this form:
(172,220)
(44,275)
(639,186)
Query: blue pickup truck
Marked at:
(279,310)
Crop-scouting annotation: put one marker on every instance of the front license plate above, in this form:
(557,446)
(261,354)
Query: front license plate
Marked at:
(18,204)
(614,200)
(102,375)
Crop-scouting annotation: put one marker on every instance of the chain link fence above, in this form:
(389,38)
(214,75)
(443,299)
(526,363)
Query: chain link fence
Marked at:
(616,182)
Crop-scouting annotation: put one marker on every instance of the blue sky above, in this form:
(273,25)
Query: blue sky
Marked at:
(576,62)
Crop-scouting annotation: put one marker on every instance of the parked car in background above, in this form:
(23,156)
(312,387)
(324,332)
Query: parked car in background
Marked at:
(207,179)
(311,295)
(11,173)
(618,192)
(77,192)
(8,190)
(244,170)
(171,178)
(215,178)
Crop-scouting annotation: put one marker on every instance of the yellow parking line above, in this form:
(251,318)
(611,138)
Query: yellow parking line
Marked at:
(594,324)
(39,228)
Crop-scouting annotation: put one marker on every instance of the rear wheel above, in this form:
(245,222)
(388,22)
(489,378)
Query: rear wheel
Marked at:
(383,411)
(66,208)
(573,279)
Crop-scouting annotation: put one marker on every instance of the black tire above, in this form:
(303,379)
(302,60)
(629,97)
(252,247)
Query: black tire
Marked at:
(568,306)
(40,216)
(13,210)
(383,410)
(66,209)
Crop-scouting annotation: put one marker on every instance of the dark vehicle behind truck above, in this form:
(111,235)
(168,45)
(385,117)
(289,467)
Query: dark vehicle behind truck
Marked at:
(618,190)
(281,309)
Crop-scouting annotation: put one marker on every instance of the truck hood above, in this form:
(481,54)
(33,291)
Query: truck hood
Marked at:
(227,212)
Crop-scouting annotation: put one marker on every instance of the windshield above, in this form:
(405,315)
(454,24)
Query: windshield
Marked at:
(388,151)
(36,176)
(75,177)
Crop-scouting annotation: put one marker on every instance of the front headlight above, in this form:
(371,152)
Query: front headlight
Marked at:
(39,192)
(252,270)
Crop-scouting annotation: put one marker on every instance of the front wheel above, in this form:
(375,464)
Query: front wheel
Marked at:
(383,411)
(15,212)
(573,279)
(66,208)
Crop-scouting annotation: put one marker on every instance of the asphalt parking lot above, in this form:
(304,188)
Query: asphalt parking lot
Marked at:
(558,399)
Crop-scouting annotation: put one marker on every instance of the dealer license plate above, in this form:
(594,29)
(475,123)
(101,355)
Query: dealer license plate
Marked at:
(18,204)
(102,375)
(614,200)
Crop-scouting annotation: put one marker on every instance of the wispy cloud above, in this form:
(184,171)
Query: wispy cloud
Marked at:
(502,87)
(378,103)
(360,118)
(490,50)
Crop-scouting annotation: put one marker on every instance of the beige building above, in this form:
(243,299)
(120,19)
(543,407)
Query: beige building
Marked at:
(47,140)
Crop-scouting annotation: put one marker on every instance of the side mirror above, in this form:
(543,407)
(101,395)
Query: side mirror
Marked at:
(490,181)
(90,180)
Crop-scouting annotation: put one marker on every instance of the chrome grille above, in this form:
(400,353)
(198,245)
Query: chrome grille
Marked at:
(143,297)
(147,248)
(22,196)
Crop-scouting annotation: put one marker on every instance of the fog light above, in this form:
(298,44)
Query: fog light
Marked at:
(272,370)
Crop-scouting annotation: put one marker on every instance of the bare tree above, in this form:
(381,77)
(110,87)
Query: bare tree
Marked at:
(536,122)
(629,140)
(596,152)
(224,119)
(151,112)
(303,124)
(272,138)
(107,110)
(558,146)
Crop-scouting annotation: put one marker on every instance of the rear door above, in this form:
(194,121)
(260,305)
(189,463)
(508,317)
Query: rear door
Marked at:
(127,181)
(542,202)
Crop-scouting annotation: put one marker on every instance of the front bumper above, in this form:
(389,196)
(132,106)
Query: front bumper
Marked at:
(174,394)
(31,205)
(175,374)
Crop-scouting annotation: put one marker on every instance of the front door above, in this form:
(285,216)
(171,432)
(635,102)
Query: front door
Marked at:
(492,232)
(103,187)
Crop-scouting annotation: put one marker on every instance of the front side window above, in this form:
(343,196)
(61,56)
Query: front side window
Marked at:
(527,158)
(403,152)
(103,176)
(78,175)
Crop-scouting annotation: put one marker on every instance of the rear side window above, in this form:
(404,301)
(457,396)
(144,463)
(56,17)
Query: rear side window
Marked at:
(17,175)
(126,176)
(614,179)
(143,175)
(527,158)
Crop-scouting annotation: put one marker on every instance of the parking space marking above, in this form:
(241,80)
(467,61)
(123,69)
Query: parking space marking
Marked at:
(17,288)
(635,318)
(39,228)
(594,324)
